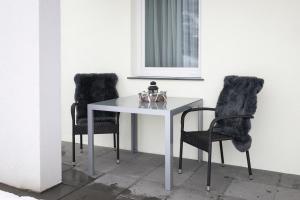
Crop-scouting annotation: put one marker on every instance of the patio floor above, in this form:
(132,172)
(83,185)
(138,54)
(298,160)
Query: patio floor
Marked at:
(141,176)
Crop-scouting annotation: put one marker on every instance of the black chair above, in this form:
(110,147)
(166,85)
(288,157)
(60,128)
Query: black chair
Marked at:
(93,88)
(236,106)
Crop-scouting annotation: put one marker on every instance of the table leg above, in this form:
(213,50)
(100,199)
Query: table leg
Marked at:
(134,148)
(91,167)
(168,151)
(200,128)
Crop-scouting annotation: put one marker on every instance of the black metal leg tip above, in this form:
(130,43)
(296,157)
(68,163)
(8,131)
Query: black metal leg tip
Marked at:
(223,165)
(208,188)
(73,164)
(118,162)
(179,171)
(251,177)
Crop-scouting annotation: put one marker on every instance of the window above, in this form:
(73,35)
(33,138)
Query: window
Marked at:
(166,38)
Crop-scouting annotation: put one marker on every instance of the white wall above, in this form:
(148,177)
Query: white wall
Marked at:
(243,37)
(24,82)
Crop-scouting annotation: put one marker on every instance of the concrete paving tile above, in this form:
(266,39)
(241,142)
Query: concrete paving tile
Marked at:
(125,156)
(158,175)
(136,197)
(54,193)
(190,194)
(66,167)
(95,191)
(50,194)
(131,170)
(251,190)
(101,165)
(13,190)
(241,174)
(147,189)
(198,181)
(287,194)
(148,159)
(76,178)
(120,197)
(222,197)
(188,164)
(119,181)
(81,156)
(140,176)
(290,181)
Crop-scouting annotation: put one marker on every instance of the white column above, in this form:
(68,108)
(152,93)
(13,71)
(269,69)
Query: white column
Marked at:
(30,94)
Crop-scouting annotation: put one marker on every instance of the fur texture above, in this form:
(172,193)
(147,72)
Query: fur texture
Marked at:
(238,97)
(92,88)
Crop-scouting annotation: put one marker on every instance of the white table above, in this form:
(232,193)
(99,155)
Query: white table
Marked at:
(131,104)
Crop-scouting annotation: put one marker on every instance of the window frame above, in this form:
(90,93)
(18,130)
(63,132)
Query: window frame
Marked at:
(138,48)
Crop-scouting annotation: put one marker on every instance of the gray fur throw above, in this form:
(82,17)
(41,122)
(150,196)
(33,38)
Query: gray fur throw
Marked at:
(238,97)
(92,88)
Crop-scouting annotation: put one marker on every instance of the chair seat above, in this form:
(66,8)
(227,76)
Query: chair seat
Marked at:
(83,121)
(102,125)
(200,139)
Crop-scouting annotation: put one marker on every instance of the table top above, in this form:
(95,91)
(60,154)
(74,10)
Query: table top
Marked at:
(132,104)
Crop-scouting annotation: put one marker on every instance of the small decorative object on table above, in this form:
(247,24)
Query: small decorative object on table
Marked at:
(153,95)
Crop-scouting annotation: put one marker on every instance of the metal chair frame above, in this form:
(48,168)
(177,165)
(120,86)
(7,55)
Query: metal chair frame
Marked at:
(210,140)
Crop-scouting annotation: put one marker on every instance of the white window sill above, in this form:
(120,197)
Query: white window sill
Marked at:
(166,78)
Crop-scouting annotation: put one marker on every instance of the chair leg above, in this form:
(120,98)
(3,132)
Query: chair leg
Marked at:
(209,168)
(222,155)
(118,148)
(114,141)
(81,148)
(73,149)
(180,157)
(249,165)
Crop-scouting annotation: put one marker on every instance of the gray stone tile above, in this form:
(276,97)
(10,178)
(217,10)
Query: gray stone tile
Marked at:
(198,180)
(125,156)
(136,197)
(76,178)
(222,197)
(147,189)
(287,193)
(54,193)
(158,175)
(81,156)
(13,190)
(241,174)
(140,176)
(101,165)
(66,167)
(119,181)
(187,193)
(191,194)
(133,170)
(188,164)
(95,191)
(290,181)
(251,190)
(121,197)
(266,177)
(148,159)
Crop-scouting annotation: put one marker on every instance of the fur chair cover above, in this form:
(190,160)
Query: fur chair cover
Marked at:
(92,88)
(238,97)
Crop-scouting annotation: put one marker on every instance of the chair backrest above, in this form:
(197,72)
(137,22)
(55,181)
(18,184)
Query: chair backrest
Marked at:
(238,97)
(93,88)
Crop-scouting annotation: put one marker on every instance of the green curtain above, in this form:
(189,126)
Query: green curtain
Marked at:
(171,33)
